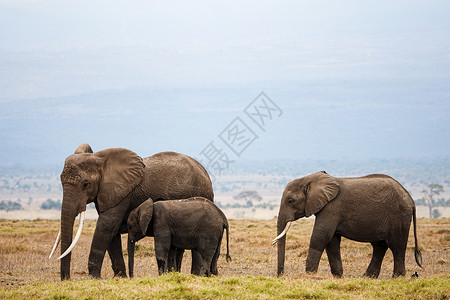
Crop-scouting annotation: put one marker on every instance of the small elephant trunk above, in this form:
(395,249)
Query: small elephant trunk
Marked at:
(281,246)
(130,249)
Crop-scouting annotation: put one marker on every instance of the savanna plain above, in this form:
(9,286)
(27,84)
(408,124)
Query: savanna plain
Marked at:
(27,273)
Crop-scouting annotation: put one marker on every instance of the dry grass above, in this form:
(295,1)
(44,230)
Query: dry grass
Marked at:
(25,246)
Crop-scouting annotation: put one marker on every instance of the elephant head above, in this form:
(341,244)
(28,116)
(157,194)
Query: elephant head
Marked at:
(105,177)
(137,223)
(139,219)
(302,198)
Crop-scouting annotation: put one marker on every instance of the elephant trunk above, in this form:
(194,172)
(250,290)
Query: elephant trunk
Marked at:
(281,224)
(66,240)
(130,248)
(68,213)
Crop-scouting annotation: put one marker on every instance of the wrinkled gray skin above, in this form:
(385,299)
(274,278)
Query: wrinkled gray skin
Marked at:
(374,208)
(117,180)
(194,223)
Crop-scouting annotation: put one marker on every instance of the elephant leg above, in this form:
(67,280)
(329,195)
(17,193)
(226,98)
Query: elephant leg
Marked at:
(197,262)
(172,265)
(178,259)
(398,250)
(207,258)
(107,228)
(204,266)
(115,253)
(334,256)
(162,249)
(214,270)
(322,234)
(399,262)
(175,259)
(398,241)
(379,250)
(207,253)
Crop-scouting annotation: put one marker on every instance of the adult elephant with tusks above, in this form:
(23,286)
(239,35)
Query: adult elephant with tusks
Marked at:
(375,208)
(117,180)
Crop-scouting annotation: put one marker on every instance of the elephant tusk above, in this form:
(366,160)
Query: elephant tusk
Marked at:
(77,236)
(275,240)
(58,239)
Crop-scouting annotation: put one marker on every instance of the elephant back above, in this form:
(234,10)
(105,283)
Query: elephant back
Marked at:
(171,175)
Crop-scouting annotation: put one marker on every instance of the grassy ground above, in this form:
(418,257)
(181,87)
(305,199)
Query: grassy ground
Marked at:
(26,272)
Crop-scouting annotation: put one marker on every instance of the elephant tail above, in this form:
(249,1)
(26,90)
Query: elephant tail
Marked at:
(228,242)
(417,253)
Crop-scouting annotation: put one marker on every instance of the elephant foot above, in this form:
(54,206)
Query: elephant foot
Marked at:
(65,277)
(120,274)
(398,274)
(94,273)
(371,274)
(337,275)
(119,271)
(95,276)
(336,269)
(311,272)
(162,266)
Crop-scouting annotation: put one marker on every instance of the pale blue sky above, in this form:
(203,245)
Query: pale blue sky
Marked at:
(354,78)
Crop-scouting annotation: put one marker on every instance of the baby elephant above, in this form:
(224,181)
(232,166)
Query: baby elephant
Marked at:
(195,223)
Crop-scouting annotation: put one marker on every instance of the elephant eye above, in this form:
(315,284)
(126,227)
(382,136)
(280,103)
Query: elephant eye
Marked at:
(290,201)
(85,185)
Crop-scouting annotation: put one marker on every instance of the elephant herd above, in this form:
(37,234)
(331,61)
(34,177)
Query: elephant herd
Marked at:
(169,196)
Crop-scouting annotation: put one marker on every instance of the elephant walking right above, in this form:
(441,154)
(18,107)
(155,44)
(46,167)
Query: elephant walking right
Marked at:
(195,223)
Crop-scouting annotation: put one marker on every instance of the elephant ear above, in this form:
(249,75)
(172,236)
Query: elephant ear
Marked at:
(84,148)
(322,189)
(145,215)
(122,171)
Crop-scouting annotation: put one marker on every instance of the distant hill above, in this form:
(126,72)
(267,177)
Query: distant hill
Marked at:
(315,124)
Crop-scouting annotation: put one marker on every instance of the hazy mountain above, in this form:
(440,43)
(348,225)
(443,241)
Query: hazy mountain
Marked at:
(313,124)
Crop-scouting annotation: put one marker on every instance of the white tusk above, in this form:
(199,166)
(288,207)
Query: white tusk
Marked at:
(77,236)
(275,240)
(58,239)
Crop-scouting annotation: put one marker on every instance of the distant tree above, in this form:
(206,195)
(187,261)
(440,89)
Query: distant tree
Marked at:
(442,202)
(433,189)
(10,205)
(436,213)
(51,204)
(420,202)
(248,197)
